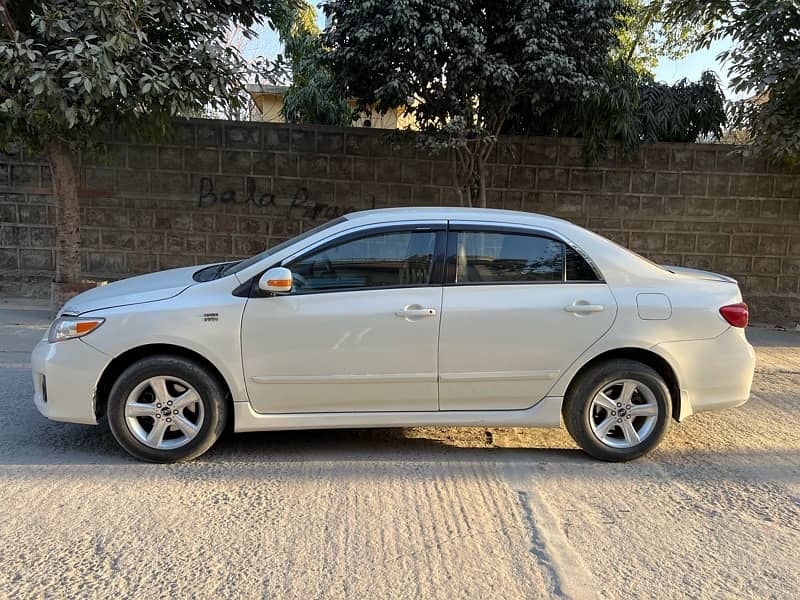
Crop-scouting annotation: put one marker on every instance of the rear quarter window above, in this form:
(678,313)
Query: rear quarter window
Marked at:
(577,267)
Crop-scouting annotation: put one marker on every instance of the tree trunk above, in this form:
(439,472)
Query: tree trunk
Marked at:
(457,183)
(482,183)
(63,166)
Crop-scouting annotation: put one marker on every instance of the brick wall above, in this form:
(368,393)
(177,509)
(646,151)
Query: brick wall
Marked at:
(223,190)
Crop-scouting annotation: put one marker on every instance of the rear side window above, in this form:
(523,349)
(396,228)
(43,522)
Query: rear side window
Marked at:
(398,258)
(495,257)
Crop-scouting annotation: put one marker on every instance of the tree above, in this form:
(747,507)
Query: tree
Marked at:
(646,36)
(636,109)
(763,63)
(71,68)
(632,109)
(313,97)
(460,67)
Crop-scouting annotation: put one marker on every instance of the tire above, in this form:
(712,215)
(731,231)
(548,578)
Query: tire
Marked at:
(167,409)
(588,414)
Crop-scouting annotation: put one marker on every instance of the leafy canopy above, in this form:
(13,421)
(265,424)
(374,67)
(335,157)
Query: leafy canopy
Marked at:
(764,63)
(68,68)
(459,58)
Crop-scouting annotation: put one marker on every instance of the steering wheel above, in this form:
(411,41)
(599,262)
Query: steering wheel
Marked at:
(327,267)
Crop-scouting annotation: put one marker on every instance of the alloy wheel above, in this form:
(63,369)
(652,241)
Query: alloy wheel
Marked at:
(623,414)
(164,412)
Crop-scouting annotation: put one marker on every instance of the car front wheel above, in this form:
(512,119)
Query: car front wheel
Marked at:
(166,409)
(618,410)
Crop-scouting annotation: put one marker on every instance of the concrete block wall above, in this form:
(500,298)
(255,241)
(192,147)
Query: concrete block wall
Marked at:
(222,190)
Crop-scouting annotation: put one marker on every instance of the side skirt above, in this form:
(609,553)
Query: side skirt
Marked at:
(546,413)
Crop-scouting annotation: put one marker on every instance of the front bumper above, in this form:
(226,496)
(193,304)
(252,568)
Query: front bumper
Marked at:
(713,374)
(65,376)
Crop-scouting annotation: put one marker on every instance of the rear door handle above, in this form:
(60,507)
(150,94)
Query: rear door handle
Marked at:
(581,309)
(415,312)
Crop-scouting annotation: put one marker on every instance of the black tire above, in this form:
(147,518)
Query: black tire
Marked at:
(577,409)
(212,397)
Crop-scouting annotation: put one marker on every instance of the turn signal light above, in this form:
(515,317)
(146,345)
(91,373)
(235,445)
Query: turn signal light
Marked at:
(280,282)
(736,315)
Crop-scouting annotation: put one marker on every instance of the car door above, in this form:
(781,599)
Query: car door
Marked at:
(359,331)
(518,307)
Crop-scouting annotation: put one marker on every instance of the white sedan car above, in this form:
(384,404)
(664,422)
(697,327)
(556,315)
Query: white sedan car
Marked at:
(401,318)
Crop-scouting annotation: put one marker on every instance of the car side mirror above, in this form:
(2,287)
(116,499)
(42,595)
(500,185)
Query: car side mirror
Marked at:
(277,280)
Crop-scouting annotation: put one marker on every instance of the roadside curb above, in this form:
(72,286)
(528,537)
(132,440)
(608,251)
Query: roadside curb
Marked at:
(25,304)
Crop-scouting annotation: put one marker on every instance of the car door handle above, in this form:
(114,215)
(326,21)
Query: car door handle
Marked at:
(581,309)
(415,313)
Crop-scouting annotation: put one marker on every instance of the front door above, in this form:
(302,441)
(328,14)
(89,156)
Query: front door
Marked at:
(358,332)
(518,309)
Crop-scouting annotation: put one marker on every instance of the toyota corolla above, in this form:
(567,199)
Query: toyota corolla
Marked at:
(401,318)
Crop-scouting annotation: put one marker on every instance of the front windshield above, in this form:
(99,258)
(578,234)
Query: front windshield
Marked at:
(243,264)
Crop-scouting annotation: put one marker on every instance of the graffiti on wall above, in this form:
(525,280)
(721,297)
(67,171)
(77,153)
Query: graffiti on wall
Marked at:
(298,204)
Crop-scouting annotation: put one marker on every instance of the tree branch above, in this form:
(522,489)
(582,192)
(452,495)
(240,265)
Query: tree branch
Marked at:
(8,22)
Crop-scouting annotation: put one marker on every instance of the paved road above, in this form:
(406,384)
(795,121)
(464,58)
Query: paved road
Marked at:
(417,513)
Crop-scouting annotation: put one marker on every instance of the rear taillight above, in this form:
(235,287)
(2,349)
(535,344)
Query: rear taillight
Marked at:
(735,314)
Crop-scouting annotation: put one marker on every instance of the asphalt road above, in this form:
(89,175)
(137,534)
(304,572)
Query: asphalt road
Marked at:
(415,513)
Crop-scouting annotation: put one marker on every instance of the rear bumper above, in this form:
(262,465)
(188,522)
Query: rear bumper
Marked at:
(713,374)
(65,376)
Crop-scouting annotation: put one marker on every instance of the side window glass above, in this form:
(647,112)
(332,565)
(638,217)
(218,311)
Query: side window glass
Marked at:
(492,257)
(577,267)
(397,258)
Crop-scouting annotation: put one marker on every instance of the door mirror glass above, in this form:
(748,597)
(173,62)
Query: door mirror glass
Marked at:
(277,280)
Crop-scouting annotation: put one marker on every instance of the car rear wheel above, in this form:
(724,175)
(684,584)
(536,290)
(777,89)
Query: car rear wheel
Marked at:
(618,410)
(166,409)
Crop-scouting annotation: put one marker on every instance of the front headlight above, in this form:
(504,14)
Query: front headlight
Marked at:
(67,328)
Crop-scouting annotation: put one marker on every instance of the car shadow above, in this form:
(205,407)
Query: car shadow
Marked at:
(379,454)
(52,443)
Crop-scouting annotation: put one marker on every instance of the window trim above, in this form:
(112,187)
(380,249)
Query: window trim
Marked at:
(456,227)
(437,272)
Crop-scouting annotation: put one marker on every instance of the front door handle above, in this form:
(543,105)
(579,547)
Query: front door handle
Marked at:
(582,308)
(415,311)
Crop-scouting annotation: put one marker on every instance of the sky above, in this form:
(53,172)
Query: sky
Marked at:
(695,63)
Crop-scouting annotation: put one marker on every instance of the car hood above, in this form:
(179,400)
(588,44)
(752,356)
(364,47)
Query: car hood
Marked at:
(134,290)
(699,274)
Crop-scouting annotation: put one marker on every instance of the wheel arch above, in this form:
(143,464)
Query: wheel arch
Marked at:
(647,357)
(121,362)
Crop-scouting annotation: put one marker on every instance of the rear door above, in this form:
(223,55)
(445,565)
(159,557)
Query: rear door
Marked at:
(518,307)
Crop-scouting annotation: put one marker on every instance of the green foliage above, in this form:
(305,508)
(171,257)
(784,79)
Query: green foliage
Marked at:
(638,110)
(633,110)
(459,67)
(764,63)
(312,97)
(69,68)
(681,112)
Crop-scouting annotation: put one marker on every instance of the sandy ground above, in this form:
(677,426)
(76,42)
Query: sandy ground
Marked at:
(417,513)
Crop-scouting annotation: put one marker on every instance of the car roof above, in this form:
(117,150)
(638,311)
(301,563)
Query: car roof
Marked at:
(454,213)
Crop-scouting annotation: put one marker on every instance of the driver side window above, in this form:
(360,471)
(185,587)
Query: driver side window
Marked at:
(389,259)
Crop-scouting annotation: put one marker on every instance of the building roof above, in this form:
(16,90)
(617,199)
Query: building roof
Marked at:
(260,88)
